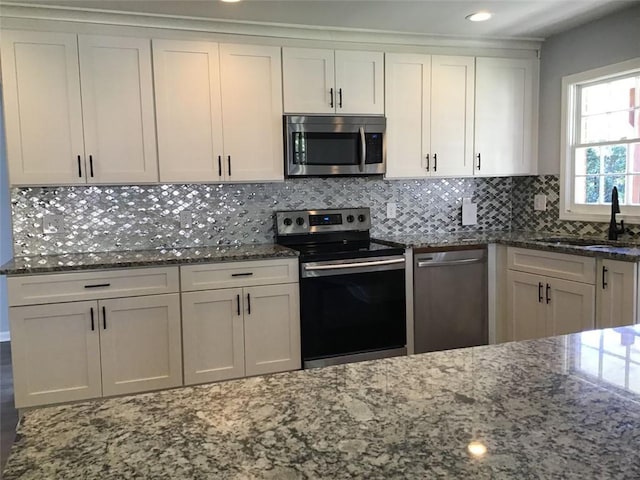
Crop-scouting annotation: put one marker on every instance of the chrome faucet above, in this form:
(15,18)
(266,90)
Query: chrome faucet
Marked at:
(614,231)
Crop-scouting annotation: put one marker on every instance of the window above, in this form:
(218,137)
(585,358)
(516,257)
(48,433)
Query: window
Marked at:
(601,142)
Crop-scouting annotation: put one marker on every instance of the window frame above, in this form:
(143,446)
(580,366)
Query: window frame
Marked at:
(570,116)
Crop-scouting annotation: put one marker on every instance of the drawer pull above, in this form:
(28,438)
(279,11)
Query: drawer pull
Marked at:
(98,285)
(245,274)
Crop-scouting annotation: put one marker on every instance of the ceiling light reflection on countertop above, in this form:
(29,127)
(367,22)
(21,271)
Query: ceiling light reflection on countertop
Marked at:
(477,449)
(479,16)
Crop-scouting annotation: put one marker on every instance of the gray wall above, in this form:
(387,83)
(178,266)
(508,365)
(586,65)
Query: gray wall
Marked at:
(612,39)
(6,248)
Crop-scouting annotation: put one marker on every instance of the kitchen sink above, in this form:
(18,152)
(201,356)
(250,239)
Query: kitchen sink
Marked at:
(576,242)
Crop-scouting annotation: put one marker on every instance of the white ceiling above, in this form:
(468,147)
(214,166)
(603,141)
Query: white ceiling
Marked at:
(512,18)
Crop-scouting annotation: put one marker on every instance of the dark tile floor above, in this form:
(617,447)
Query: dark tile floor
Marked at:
(8,413)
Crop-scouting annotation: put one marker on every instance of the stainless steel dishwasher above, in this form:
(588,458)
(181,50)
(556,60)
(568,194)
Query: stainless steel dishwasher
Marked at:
(450,299)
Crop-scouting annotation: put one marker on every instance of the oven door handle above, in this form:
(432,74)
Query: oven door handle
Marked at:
(341,266)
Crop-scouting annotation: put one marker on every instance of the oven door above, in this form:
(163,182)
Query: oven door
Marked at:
(352,307)
(335,146)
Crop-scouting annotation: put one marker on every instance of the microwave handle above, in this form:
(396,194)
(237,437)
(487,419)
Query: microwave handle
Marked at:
(363,149)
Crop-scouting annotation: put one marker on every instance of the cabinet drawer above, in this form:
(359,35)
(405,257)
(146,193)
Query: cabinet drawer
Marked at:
(68,287)
(238,274)
(551,264)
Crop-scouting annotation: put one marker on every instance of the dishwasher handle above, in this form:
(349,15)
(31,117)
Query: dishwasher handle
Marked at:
(449,263)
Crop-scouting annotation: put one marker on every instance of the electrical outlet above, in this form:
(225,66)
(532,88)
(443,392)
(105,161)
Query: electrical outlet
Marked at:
(52,224)
(392,210)
(540,202)
(186,219)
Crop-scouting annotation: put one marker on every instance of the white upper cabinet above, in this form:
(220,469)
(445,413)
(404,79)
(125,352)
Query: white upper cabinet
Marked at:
(43,113)
(251,85)
(452,94)
(78,115)
(326,81)
(118,111)
(189,115)
(429,108)
(219,112)
(408,111)
(504,116)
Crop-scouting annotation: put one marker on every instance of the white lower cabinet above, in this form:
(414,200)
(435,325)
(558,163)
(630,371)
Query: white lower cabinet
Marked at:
(548,294)
(540,306)
(241,331)
(616,293)
(73,351)
(55,351)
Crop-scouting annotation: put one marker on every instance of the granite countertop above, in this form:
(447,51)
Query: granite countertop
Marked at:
(589,246)
(142,258)
(562,407)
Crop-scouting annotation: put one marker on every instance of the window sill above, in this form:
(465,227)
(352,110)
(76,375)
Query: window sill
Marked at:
(598,217)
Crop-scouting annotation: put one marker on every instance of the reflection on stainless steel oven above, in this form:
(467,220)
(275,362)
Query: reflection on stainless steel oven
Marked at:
(352,290)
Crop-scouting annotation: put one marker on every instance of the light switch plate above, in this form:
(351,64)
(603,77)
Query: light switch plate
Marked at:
(392,210)
(52,224)
(540,202)
(186,219)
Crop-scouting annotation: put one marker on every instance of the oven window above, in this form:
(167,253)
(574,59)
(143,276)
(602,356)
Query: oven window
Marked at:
(326,148)
(347,314)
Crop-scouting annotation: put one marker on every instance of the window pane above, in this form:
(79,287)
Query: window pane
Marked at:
(608,127)
(633,150)
(609,183)
(587,189)
(615,158)
(588,161)
(609,97)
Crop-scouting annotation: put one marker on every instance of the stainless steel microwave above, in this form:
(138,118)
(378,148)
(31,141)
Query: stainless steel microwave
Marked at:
(334,145)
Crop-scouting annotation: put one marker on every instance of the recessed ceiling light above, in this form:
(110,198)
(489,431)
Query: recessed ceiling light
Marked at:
(479,16)
(231,1)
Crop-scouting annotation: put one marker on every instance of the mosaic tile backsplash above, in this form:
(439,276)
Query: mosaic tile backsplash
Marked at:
(526,218)
(111,218)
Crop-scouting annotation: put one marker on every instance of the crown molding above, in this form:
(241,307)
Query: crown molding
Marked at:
(258,29)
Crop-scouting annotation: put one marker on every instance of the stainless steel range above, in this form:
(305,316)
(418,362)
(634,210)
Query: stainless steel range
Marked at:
(352,289)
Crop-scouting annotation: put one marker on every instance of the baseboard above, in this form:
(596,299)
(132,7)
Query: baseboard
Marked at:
(4,336)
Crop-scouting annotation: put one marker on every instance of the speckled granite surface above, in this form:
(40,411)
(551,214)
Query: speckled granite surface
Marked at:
(224,253)
(141,258)
(590,246)
(537,406)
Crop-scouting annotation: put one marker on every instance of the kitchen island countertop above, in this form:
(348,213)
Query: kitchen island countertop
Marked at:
(540,407)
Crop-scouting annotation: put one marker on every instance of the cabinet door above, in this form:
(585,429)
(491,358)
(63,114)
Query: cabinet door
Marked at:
(140,343)
(452,87)
(56,353)
(118,111)
(213,335)
(525,309)
(43,112)
(616,293)
(251,79)
(503,116)
(359,82)
(408,111)
(272,328)
(308,80)
(188,112)
(570,306)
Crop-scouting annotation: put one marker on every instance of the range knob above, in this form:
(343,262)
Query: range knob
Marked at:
(300,221)
(287,221)
(350,218)
(361,218)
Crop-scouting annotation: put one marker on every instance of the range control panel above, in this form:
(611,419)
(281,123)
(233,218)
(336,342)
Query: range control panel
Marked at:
(300,222)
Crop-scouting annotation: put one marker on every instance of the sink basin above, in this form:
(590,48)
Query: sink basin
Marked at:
(576,242)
